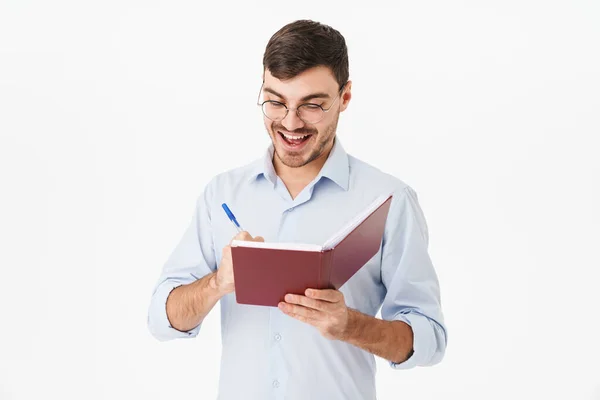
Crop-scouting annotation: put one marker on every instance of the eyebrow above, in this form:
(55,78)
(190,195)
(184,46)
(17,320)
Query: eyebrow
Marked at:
(319,95)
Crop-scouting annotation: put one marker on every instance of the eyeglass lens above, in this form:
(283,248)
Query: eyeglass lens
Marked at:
(307,112)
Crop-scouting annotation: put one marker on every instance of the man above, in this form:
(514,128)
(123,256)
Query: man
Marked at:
(318,345)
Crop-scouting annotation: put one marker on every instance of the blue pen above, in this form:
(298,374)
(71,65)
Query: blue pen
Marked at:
(231,217)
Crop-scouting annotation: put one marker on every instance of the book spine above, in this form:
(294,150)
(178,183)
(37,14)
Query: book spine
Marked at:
(325,269)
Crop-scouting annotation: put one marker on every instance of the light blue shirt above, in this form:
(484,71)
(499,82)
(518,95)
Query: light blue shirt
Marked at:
(269,355)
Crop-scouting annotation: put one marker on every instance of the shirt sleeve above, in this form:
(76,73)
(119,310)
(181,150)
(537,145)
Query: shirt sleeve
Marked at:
(412,288)
(192,258)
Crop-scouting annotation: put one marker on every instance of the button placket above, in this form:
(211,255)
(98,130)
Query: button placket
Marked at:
(278,372)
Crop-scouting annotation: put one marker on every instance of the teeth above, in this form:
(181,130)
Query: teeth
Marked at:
(294,137)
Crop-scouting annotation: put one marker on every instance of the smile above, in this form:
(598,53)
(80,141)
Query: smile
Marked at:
(293,142)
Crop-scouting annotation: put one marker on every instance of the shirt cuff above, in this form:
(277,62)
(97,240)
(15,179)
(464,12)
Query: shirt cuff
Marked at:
(158,322)
(424,341)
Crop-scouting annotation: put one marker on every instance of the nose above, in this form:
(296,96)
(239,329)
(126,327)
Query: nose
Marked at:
(291,122)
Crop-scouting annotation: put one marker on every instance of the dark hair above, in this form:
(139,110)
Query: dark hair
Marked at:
(305,44)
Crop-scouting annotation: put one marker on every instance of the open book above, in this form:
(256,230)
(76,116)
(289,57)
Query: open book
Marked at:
(265,272)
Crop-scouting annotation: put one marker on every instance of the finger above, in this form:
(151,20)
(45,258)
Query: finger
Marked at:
(330,295)
(303,319)
(302,311)
(259,239)
(308,302)
(242,236)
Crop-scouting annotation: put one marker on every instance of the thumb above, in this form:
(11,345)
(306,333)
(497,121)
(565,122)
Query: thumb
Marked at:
(242,236)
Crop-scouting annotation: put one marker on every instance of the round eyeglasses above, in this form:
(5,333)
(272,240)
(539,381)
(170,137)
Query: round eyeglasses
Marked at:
(309,113)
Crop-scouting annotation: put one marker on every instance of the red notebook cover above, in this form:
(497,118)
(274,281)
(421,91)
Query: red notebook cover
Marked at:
(263,276)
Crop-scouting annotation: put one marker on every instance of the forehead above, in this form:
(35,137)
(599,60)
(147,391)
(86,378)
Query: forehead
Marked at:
(317,79)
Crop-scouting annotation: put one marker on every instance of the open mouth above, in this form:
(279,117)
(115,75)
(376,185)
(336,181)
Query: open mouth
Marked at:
(294,142)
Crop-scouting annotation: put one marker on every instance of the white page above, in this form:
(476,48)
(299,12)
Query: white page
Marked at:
(274,245)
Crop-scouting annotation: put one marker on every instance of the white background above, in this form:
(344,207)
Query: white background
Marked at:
(115,114)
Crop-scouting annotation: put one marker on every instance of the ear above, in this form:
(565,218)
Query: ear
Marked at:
(346,96)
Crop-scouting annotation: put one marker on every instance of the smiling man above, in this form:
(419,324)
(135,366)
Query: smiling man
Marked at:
(319,345)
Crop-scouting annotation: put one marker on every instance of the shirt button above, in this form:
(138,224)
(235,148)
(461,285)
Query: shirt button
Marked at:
(278,337)
(275,383)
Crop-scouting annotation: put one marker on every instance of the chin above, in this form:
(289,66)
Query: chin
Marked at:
(293,162)
(290,159)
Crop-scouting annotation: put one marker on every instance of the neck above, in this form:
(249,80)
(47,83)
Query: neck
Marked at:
(301,175)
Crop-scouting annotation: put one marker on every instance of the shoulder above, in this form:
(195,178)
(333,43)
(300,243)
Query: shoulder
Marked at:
(234,177)
(365,176)
(369,180)
(226,184)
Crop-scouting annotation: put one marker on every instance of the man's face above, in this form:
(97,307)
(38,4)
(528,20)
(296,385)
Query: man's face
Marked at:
(309,141)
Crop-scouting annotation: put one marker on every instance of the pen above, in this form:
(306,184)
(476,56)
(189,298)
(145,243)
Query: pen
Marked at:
(231,217)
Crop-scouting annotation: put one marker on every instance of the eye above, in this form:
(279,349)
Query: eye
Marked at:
(311,107)
(274,104)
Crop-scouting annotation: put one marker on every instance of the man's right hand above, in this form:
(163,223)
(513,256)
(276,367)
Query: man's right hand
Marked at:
(224,280)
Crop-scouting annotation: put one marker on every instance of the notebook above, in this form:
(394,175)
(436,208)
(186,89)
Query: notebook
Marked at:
(266,271)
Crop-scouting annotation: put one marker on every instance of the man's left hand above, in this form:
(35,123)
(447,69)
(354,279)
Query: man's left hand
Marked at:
(325,309)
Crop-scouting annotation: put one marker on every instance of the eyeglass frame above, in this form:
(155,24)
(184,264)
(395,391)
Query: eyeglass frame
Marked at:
(287,109)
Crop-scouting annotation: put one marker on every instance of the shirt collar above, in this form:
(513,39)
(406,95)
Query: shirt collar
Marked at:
(336,168)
